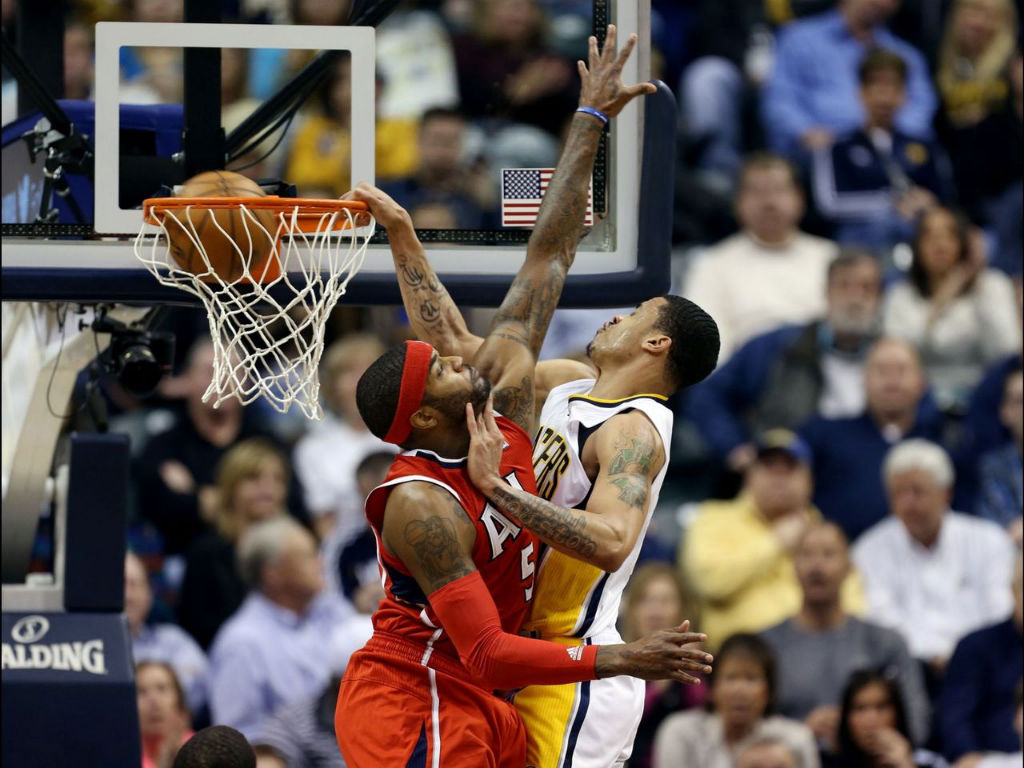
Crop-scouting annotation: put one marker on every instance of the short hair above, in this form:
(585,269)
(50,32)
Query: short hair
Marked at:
(857,682)
(754,648)
(763,160)
(218,746)
(262,545)
(880,60)
(921,454)
(441,113)
(695,341)
(378,390)
(823,525)
(770,741)
(850,256)
(377,463)
(179,689)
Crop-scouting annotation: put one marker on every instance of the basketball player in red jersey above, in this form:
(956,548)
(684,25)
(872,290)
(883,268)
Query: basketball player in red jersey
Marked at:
(458,574)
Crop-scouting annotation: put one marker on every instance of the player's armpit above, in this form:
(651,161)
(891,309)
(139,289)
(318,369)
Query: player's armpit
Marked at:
(427,529)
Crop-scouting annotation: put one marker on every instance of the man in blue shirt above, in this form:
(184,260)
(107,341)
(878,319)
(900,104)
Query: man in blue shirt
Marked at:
(812,94)
(873,182)
(849,452)
(784,377)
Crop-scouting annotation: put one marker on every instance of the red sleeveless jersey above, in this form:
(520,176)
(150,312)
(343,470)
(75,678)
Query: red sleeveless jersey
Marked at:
(504,552)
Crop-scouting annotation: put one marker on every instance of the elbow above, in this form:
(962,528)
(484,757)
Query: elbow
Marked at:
(611,558)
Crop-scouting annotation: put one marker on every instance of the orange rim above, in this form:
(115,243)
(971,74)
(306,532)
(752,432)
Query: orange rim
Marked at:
(309,216)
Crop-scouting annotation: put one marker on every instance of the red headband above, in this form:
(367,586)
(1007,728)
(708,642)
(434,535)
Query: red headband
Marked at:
(410,395)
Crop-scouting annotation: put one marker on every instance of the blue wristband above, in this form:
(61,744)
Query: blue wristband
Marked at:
(596,113)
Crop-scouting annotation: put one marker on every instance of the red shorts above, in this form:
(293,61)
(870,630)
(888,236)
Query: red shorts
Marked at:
(395,712)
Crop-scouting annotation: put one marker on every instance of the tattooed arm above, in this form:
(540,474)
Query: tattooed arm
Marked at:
(630,454)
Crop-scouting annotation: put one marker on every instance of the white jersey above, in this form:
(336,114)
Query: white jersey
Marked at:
(574,599)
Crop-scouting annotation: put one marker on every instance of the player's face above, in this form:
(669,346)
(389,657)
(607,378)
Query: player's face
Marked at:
(821,564)
(622,336)
(920,502)
(740,692)
(451,384)
(871,711)
(159,709)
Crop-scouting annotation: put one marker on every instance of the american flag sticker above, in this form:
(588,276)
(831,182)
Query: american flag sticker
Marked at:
(522,190)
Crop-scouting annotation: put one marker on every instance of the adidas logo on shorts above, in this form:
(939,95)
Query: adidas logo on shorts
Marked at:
(575,653)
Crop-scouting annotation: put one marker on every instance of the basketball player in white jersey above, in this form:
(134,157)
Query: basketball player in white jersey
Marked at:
(600,458)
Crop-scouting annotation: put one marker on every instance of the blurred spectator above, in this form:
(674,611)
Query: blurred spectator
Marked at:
(742,699)
(817,649)
(979,705)
(274,650)
(931,573)
(442,174)
(806,103)
(164,720)
(506,69)
(873,731)
(321,153)
(1009,759)
(415,62)
(252,484)
(656,599)
(216,745)
(767,752)
(174,476)
(874,181)
(770,273)
(327,457)
(961,316)
(1002,499)
(735,53)
(78,60)
(167,643)
(302,734)
(738,554)
(784,377)
(356,568)
(152,75)
(978,43)
(848,452)
(988,161)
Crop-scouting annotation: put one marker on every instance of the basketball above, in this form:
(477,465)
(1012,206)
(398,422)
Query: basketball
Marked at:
(229,237)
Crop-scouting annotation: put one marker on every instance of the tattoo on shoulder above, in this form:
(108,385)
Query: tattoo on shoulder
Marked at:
(631,467)
(516,403)
(436,544)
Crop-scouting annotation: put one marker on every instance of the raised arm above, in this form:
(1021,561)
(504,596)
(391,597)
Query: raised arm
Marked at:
(429,531)
(630,456)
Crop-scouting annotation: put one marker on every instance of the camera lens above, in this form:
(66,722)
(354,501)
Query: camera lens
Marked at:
(139,371)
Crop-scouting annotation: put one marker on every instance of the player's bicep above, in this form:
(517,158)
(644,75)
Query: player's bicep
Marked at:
(428,530)
(630,455)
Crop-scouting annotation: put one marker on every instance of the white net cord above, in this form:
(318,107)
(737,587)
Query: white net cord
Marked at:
(268,336)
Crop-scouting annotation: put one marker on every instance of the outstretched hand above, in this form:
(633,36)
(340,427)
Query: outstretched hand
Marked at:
(485,446)
(671,654)
(601,85)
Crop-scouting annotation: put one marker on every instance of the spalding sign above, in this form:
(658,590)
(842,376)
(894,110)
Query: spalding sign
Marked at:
(27,652)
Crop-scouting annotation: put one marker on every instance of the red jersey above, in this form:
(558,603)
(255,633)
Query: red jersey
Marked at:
(504,552)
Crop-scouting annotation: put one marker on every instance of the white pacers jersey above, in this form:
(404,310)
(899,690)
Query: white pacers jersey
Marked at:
(574,599)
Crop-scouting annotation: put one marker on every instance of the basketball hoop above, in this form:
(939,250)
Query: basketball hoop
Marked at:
(268,270)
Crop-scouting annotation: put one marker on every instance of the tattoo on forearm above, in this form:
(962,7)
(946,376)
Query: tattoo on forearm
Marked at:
(437,549)
(516,403)
(556,525)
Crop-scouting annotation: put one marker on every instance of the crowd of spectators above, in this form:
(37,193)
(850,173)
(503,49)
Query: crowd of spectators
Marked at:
(848,210)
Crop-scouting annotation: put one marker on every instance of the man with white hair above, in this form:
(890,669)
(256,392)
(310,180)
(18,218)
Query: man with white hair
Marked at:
(931,573)
(276,649)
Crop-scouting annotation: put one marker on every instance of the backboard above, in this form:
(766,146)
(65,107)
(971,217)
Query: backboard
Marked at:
(622,260)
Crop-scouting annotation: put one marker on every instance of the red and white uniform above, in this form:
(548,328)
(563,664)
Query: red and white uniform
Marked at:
(407,699)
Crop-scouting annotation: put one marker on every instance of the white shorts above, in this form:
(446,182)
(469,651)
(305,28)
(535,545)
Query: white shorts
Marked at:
(581,725)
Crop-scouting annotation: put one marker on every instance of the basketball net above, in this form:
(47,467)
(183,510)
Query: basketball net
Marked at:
(267,324)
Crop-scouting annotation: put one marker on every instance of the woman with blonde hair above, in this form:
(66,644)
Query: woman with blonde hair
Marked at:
(252,486)
(657,598)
